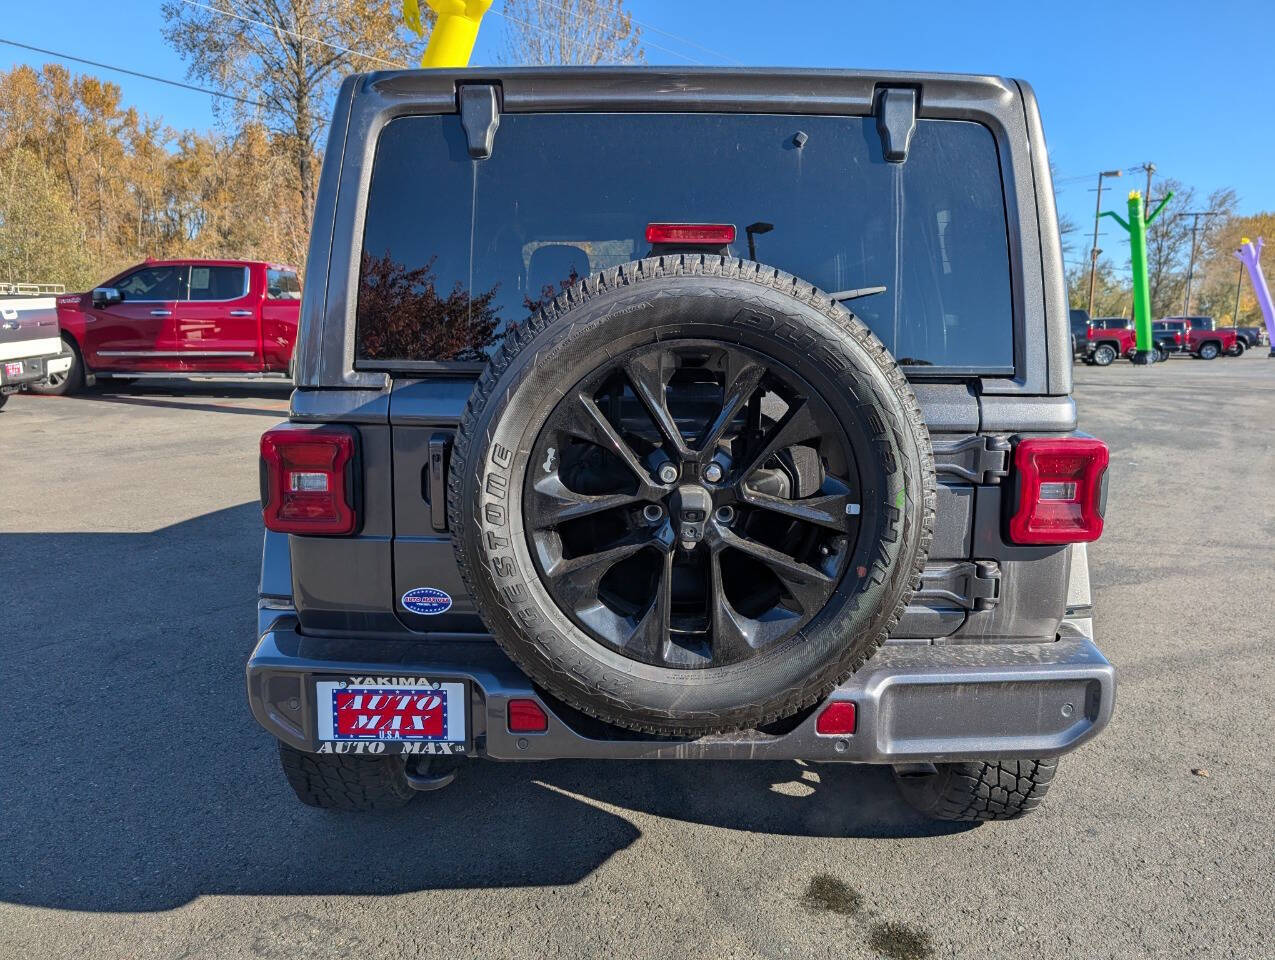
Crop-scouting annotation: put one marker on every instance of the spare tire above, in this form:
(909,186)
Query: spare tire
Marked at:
(691,494)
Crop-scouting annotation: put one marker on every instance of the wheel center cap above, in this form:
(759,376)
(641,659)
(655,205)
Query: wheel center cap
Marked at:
(691,506)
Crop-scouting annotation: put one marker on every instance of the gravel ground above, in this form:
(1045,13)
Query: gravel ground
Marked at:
(143,814)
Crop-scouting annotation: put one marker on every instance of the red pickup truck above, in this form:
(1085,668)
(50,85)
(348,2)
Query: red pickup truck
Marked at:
(164,317)
(1207,343)
(1106,339)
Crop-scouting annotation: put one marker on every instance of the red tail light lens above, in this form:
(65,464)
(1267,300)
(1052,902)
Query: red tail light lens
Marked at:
(837,719)
(307,489)
(1059,490)
(708,234)
(525,716)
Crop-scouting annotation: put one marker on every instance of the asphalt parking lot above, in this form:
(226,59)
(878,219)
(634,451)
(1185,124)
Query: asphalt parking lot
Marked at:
(142,813)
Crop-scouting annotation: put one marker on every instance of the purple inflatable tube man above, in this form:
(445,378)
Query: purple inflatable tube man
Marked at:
(1250,254)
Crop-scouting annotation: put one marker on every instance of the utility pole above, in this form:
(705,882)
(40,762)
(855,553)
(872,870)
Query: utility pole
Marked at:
(1148,168)
(1094,251)
(1190,267)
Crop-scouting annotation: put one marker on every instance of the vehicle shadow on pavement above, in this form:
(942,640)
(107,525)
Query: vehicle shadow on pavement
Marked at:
(137,780)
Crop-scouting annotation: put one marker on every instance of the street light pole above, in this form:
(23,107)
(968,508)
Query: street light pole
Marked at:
(1094,251)
(1190,267)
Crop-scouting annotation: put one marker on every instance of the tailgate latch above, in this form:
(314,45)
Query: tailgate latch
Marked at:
(440,448)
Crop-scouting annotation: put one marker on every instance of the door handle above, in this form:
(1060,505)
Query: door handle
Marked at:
(241,313)
(161,313)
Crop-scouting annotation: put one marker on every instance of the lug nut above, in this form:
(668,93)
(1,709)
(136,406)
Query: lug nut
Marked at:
(667,473)
(713,472)
(725,515)
(652,512)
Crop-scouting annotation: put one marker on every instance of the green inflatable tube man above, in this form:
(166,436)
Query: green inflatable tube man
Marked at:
(1137,228)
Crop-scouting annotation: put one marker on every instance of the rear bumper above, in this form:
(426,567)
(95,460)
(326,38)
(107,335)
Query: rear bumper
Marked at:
(914,702)
(20,371)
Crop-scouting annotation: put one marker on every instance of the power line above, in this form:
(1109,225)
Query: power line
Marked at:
(580,43)
(145,76)
(134,73)
(292,33)
(674,36)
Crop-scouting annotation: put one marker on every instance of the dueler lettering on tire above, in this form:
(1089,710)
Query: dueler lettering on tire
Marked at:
(691,494)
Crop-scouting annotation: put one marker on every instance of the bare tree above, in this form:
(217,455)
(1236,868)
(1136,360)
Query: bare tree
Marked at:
(569,31)
(285,58)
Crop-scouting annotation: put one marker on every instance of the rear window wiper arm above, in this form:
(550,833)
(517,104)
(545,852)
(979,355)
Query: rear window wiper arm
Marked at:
(856,293)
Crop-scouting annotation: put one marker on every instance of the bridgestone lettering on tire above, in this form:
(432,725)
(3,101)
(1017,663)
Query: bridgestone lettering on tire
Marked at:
(691,494)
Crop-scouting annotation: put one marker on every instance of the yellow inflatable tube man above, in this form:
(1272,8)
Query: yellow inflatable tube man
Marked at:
(451,42)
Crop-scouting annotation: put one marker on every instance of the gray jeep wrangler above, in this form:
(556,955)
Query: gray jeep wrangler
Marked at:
(694,414)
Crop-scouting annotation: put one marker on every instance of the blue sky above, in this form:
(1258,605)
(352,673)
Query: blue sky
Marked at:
(1198,104)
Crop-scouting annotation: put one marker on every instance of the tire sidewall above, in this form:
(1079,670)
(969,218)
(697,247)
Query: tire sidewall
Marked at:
(497,556)
(74,376)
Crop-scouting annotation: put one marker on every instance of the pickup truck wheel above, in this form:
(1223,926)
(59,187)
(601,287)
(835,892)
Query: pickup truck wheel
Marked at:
(1209,351)
(61,384)
(346,782)
(692,494)
(4,398)
(978,790)
(1238,349)
(1104,355)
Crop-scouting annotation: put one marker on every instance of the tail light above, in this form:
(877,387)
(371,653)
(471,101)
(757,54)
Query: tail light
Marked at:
(1060,490)
(307,482)
(707,234)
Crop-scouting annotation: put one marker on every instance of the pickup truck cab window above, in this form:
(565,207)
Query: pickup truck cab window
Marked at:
(217,283)
(153,284)
(282,285)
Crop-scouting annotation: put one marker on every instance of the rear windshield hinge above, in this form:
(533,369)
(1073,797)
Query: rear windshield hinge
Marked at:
(896,121)
(976,459)
(479,106)
(969,584)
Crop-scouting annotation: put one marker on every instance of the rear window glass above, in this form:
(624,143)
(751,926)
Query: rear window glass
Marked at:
(282,285)
(218,283)
(457,250)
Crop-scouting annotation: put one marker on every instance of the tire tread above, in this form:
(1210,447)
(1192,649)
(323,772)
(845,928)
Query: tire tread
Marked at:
(819,686)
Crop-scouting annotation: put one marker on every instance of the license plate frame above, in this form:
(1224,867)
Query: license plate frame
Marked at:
(392,715)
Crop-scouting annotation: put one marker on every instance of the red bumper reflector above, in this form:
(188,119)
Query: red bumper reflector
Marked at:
(836,719)
(306,485)
(525,716)
(709,234)
(1058,490)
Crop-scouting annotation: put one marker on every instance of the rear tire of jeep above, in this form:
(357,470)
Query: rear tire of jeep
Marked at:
(612,529)
(67,383)
(1104,355)
(979,790)
(346,782)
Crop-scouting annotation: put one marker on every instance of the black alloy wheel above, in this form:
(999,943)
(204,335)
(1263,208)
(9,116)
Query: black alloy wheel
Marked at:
(691,504)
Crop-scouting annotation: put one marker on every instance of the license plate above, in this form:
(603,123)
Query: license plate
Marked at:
(13,369)
(400,716)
